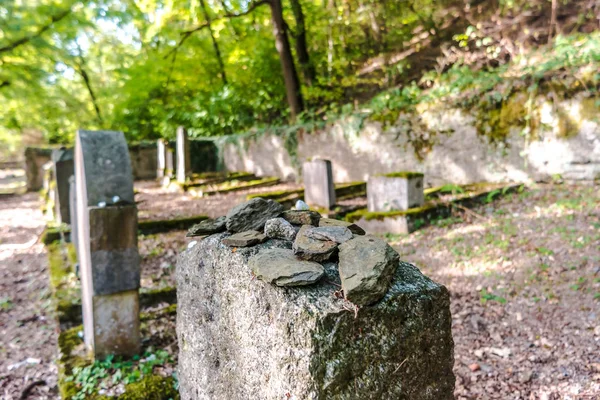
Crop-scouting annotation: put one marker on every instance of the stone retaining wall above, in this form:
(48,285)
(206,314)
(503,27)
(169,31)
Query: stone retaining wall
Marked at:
(446,144)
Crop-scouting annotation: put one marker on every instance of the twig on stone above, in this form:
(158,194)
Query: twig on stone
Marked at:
(401,364)
(333,283)
(469,211)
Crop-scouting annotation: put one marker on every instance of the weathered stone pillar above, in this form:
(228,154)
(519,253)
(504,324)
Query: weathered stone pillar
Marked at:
(243,338)
(35,158)
(161,158)
(62,160)
(183,155)
(107,241)
(73,212)
(395,191)
(319,190)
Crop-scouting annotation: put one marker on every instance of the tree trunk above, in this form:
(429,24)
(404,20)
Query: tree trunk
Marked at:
(308,70)
(214,42)
(292,84)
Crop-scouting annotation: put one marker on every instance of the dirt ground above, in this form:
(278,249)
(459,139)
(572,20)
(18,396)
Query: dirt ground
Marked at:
(523,272)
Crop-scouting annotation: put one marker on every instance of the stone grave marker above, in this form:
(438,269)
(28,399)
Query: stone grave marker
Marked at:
(395,192)
(183,155)
(161,158)
(62,161)
(73,212)
(107,243)
(319,190)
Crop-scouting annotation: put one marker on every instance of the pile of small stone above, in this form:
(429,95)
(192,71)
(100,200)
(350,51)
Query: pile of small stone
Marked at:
(365,263)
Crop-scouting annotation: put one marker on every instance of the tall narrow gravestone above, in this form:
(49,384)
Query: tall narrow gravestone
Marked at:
(73,212)
(62,160)
(318,183)
(183,155)
(395,191)
(107,241)
(161,158)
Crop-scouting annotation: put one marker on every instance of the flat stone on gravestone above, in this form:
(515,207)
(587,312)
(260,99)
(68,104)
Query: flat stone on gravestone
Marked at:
(395,191)
(307,248)
(107,243)
(62,160)
(281,267)
(319,190)
(357,230)
(183,155)
(245,239)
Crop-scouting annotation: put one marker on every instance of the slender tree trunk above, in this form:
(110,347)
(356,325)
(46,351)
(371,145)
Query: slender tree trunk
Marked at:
(292,84)
(308,70)
(86,79)
(214,42)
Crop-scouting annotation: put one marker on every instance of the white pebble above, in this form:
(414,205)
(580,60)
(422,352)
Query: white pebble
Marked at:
(192,244)
(115,199)
(302,206)
(101,204)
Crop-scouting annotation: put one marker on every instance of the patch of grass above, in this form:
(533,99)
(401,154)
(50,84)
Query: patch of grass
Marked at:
(485,296)
(545,251)
(6,304)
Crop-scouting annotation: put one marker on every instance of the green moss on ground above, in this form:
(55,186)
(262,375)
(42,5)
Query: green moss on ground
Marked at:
(151,387)
(381,215)
(403,174)
(160,226)
(247,185)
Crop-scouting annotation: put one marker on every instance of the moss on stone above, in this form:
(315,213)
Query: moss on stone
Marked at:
(151,387)
(403,174)
(380,215)
(167,311)
(275,195)
(161,226)
(54,233)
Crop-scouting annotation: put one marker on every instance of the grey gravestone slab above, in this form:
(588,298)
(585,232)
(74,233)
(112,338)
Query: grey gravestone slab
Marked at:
(399,191)
(183,155)
(107,243)
(73,212)
(106,168)
(242,338)
(62,160)
(169,163)
(319,190)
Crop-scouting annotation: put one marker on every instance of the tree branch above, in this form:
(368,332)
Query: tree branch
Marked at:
(26,39)
(186,34)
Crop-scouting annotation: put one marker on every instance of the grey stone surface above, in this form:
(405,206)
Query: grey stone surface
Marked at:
(302,217)
(252,215)
(161,158)
(307,248)
(113,249)
(389,193)
(337,234)
(207,227)
(169,169)
(279,228)
(367,266)
(143,160)
(184,169)
(35,158)
(107,243)
(318,183)
(354,228)
(63,169)
(282,268)
(241,338)
(73,212)
(106,168)
(245,239)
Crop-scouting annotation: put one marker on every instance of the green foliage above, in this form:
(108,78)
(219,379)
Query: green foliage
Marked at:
(114,370)
(5,304)
(485,296)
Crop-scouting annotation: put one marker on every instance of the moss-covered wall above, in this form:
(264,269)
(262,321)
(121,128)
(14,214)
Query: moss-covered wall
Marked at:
(524,136)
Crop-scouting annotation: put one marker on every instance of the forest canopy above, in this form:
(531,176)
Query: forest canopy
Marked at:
(224,66)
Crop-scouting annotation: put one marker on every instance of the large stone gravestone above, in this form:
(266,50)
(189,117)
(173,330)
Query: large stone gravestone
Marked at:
(73,212)
(62,160)
(107,241)
(243,338)
(395,191)
(35,158)
(183,155)
(319,189)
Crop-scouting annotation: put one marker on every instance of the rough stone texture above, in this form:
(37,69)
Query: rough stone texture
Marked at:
(207,227)
(338,234)
(279,228)
(397,224)
(318,183)
(282,268)
(302,217)
(35,158)
(241,338)
(354,228)
(386,193)
(169,169)
(458,155)
(117,332)
(183,155)
(106,167)
(62,160)
(307,248)
(245,239)
(252,215)
(73,212)
(367,265)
